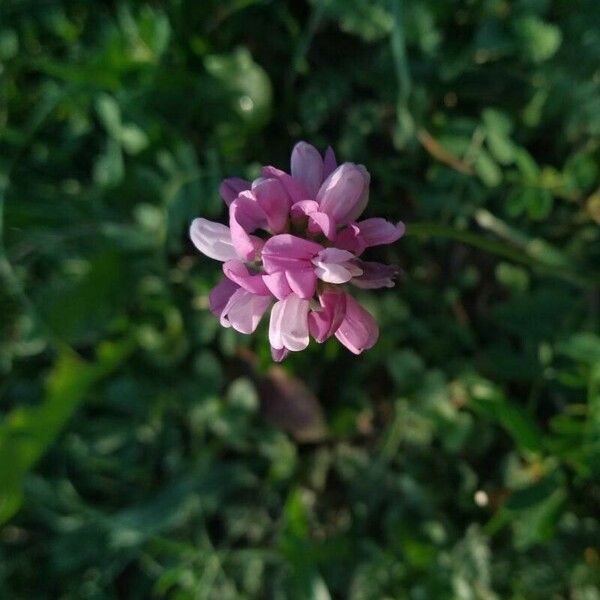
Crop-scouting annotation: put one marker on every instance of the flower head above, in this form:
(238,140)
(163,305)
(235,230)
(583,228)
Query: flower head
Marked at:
(293,242)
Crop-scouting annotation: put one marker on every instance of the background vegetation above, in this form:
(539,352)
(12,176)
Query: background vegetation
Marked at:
(146,452)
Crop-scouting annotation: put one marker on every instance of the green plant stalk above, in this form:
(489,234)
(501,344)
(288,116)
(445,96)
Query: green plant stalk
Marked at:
(424,230)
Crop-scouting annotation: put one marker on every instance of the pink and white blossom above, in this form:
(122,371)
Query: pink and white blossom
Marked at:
(293,242)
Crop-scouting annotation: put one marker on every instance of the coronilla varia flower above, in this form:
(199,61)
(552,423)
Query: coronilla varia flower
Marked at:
(293,242)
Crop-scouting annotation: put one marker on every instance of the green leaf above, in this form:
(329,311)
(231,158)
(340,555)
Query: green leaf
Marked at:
(539,204)
(532,495)
(497,122)
(133,138)
(539,40)
(536,524)
(109,167)
(487,169)
(249,85)
(109,113)
(489,401)
(26,433)
(501,147)
(583,347)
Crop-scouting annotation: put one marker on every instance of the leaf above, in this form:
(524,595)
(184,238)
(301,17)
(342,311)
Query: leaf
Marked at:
(497,122)
(487,169)
(82,307)
(539,40)
(248,84)
(26,433)
(539,204)
(532,495)
(537,523)
(489,401)
(583,347)
(110,114)
(109,167)
(501,147)
(133,138)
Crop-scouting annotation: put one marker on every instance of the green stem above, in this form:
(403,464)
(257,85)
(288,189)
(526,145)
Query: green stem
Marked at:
(424,230)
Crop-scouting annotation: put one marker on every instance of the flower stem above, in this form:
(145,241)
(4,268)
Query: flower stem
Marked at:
(520,255)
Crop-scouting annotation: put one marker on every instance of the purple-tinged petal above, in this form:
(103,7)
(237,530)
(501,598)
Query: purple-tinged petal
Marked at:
(245,216)
(324,323)
(358,330)
(307,167)
(213,239)
(303,282)
(219,296)
(334,265)
(288,327)
(288,252)
(238,272)
(377,231)
(231,187)
(277,284)
(329,163)
(334,255)
(244,311)
(294,188)
(364,198)
(279,354)
(318,222)
(304,208)
(274,200)
(375,275)
(344,194)
(349,239)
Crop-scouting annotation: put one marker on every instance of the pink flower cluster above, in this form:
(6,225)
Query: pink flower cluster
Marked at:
(310,246)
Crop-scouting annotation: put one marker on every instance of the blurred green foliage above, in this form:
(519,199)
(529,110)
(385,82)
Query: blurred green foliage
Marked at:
(146,452)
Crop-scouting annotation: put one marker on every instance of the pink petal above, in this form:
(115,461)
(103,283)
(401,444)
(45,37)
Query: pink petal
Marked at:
(302,282)
(358,330)
(307,167)
(334,255)
(321,222)
(317,221)
(294,188)
(329,162)
(349,239)
(244,311)
(304,208)
(219,296)
(364,198)
(245,215)
(277,284)
(274,200)
(213,239)
(279,354)
(288,327)
(377,231)
(375,275)
(344,194)
(324,323)
(332,273)
(288,252)
(231,187)
(238,272)
(333,265)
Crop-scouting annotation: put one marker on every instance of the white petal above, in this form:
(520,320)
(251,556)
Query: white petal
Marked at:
(244,311)
(294,330)
(213,239)
(332,272)
(277,315)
